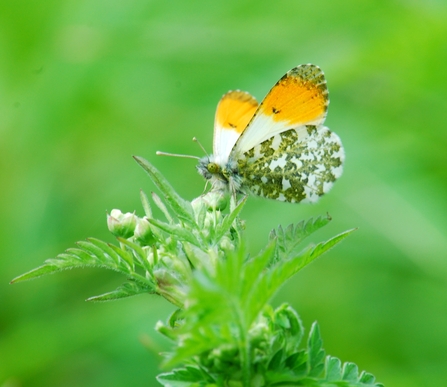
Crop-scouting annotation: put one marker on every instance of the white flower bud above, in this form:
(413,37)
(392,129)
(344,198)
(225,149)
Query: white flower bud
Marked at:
(216,200)
(121,225)
(143,232)
(226,243)
(212,200)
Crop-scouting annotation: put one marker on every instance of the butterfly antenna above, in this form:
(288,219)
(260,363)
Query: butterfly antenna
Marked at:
(158,153)
(201,146)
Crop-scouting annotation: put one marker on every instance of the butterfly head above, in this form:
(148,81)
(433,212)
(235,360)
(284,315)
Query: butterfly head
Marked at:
(222,176)
(209,168)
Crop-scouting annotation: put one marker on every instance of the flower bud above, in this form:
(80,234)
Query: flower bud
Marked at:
(143,232)
(212,200)
(121,225)
(226,243)
(171,286)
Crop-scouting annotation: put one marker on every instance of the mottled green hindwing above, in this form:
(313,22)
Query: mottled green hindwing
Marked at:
(297,165)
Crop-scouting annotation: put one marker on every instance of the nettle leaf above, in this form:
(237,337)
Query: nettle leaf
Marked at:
(139,254)
(72,258)
(333,369)
(289,239)
(184,377)
(315,350)
(106,250)
(180,232)
(322,247)
(254,278)
(99,254)
(125,257)
(368,379)
(38,272)
(215,315)
(289,321)
(284,269)
(160,204)
(350,372)
(180,206)
(346,375)
(128,289)
(229,219)
(146,204)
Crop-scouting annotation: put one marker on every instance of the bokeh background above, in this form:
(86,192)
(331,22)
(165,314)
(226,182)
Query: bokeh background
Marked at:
(84,85)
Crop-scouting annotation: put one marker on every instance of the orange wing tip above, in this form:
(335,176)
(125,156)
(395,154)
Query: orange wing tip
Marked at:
(235,110)
(299,97)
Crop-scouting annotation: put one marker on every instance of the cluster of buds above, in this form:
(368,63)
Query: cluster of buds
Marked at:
(170,257)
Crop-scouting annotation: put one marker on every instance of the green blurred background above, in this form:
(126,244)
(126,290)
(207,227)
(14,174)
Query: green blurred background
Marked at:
(84,85)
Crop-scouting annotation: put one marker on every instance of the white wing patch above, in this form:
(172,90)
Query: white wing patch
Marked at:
(224,140)
(261,128)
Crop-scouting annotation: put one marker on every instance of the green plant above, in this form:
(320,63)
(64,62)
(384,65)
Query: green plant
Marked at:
(224,331)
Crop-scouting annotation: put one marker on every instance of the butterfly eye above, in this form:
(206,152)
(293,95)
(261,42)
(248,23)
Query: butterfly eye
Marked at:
(213,168)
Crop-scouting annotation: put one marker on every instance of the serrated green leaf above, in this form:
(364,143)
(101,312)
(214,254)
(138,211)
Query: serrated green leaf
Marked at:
(288,319)
(105,247)
(125,256)
(322,247)
(285,269)
(138,253)
(168,332)
(181,207)
(86,255)
(289,239)
(254,293)
(199,259)
(83,256)
(366,378)
(181,232)
(276,360)
(37,272)
(176,317)
(97,252)
(298,362)
(159,203)
(201,211)
(315,351)
(146,205)
(350,372)
(185,377)
(229,219)
(333,369)
(128,289)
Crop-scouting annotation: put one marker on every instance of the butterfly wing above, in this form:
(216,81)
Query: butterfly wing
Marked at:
(299,98)
(298,165)
(285,153)
(234,112)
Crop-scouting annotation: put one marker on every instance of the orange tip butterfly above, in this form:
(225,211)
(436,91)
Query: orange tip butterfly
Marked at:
(278,149)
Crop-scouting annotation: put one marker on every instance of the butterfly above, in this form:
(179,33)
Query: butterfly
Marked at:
(278,149)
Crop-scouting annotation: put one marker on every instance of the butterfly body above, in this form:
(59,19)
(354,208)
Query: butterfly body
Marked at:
(222,176)
(278,149)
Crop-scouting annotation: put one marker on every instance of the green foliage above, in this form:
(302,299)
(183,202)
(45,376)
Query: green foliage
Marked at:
(225,332)
(275,353)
